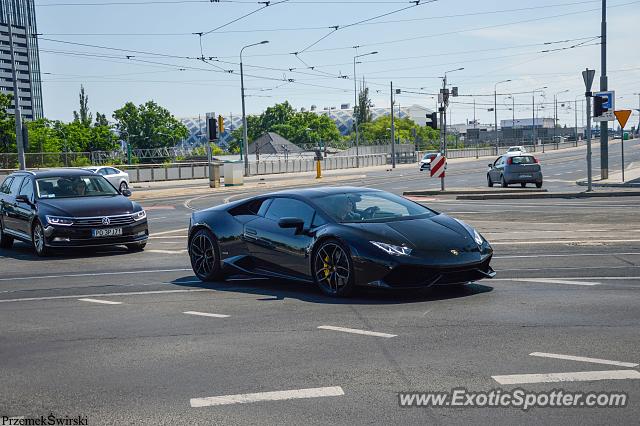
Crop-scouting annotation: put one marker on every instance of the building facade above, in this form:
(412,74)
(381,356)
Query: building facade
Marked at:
(21,14)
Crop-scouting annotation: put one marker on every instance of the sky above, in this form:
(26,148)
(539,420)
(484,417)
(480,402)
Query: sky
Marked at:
(140,50)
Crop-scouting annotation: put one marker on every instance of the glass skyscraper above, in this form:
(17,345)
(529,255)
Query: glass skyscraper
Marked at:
(21,14)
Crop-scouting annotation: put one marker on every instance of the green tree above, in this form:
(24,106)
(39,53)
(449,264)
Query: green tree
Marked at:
(149,125)
(362,111)
(7,125)
(84,117)
(298,127)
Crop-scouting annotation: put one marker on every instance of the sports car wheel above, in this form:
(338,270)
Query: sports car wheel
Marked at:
(204,255)
(489,181)
(5,240)
(37,236)
(333,269)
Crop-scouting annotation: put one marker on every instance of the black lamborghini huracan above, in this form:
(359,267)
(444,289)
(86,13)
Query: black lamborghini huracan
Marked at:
(338,238)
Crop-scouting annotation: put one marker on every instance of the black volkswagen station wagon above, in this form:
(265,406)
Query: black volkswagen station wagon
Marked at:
(68,208)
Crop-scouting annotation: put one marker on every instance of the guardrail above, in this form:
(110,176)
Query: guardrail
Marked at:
(200,170)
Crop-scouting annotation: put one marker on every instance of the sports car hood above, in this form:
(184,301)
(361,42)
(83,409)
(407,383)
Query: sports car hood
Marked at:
(435,233)
(88,206)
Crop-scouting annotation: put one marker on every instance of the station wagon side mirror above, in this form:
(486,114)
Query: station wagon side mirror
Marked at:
(23,199)
(292,222)
(126,192)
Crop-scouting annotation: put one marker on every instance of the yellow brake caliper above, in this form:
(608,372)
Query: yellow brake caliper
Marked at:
(326,266)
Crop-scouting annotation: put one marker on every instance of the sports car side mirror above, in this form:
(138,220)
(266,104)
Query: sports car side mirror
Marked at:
(292,222)
(126,192)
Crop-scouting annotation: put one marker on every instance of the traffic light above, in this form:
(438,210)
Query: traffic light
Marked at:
(432,120)
(598,108)
(211,129)
(220,125)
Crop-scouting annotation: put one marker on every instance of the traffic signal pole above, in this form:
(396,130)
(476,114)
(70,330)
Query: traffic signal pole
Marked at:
(604,125)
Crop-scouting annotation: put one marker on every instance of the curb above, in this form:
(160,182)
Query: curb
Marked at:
(474,192)
(609,185)
(550,195)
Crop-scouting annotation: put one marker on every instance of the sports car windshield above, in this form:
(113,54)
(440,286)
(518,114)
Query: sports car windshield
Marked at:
(358,207)
(74,187)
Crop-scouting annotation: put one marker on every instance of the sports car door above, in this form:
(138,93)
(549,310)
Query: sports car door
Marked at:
(283,249)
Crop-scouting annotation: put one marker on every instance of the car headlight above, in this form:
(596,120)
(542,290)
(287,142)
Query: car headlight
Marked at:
(60,221)
(477,237)
(391,249)
(139,215)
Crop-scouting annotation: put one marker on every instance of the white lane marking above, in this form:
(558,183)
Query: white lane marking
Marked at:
(584,359)
(527,256)
(131,293)
(493,243)
(205,314)
(167,251)
(104,302)
(578,376)
(569,268)
(94,274)
(554,281)
(356,331)
(173,231)
(266,396)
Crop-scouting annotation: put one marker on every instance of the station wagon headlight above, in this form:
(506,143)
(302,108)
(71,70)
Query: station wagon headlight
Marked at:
(139,215)
(59,221)
(391,249)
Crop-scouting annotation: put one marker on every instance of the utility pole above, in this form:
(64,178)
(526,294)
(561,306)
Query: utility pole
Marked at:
(16,99)
(393,132)
(245,131)
(495,110)
(604,125)
(355,100)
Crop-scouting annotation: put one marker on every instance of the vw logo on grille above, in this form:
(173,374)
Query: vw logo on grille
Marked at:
(106,221)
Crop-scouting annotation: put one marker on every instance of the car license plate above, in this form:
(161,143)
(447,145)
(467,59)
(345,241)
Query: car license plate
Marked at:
(525,176)
(109,232)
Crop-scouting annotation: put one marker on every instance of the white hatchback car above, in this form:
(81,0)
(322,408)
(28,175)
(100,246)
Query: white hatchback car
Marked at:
(517,149)
(117,177)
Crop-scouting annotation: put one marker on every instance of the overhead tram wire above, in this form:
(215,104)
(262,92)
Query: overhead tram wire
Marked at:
(416,3)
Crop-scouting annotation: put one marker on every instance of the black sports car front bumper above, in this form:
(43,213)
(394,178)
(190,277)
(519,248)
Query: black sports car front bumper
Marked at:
(411,273)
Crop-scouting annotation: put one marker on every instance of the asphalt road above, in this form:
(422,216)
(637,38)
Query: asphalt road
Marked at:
(568,283)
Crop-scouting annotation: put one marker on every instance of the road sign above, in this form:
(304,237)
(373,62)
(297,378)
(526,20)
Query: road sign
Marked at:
(587,76)
(437,166)
(604,105)
(622,116)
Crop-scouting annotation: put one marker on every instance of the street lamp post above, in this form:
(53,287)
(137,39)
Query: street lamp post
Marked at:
(495,109)
(533,111)
(355,102)
(244,114)
(555,110)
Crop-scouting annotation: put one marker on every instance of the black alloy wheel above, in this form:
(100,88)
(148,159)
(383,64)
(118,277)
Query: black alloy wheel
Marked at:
(333,269)
(38,239)
(205,257)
